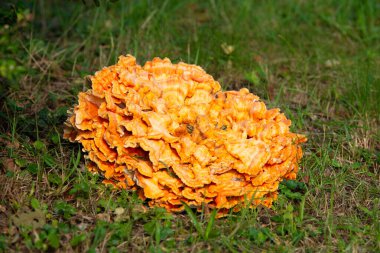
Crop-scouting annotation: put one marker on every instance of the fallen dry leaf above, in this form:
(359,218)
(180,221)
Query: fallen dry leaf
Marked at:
(227,49)
(332,63)
(35,219)
(119,211)
(103,216)
(10,165)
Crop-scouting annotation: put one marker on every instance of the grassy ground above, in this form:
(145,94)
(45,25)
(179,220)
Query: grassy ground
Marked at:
(319,61)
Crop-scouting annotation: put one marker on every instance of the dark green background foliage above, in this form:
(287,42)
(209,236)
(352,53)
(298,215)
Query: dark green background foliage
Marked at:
(318,61)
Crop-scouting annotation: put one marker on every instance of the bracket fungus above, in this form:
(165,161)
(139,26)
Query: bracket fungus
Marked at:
(169,132)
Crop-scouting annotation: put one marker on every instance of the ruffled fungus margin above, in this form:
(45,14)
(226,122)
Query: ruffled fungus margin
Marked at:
(169,132)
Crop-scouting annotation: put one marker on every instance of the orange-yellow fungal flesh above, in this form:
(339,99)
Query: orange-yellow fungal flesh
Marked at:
(168,131)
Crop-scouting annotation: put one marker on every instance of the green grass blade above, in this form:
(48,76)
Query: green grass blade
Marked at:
(210,224)
(193,219)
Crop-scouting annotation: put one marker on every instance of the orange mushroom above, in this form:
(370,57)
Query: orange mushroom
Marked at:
(168,131)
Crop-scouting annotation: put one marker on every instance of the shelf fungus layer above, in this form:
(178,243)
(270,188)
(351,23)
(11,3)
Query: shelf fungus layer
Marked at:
(169,132)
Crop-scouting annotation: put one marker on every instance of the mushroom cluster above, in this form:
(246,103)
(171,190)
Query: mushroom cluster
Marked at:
(169,132)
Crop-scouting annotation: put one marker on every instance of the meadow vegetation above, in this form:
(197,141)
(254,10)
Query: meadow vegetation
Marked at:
(319,61)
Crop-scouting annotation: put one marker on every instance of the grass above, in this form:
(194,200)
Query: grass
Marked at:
(318,61)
